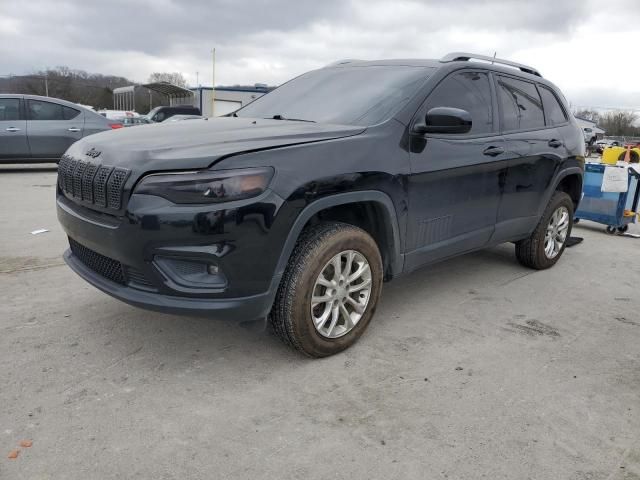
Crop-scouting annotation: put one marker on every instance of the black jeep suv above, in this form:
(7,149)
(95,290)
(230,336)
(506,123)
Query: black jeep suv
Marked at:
(298,206)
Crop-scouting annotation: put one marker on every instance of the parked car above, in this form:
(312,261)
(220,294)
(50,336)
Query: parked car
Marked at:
(133,121)
(298,206)
(602,144)
(40,129)
(118,114)
(589,136)
(160,114)
(180,118)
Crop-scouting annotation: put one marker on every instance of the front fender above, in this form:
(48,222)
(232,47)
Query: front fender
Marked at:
(396,256)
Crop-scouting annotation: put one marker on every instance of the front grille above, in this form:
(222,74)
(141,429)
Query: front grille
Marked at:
(99,185)
(105,266)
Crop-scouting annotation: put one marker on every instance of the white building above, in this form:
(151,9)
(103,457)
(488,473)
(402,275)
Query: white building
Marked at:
(226,99)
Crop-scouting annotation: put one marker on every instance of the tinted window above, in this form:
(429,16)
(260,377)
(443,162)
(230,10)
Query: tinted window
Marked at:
(68,113)
(469,91)
(354,95)
(9,109)
(39,110)
(552,108)
(520,103)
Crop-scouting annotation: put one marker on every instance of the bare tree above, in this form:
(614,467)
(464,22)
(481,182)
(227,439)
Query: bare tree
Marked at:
(620,123)
(175,78)
(588,114)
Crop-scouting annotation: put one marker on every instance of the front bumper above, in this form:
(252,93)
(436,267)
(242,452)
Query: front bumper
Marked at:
(242,239)
(244,309)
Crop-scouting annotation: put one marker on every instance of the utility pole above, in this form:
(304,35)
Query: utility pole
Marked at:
(213,83)
(46,84)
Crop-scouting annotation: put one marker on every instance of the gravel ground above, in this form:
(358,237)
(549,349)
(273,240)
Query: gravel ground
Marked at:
(473,368)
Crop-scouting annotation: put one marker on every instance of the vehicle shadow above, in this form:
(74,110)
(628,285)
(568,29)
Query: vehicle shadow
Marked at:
(175,340)
(35,168)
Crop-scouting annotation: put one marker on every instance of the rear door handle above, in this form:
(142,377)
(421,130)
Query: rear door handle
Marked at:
(73,129)
(12,129)
(493,151)
(555,143)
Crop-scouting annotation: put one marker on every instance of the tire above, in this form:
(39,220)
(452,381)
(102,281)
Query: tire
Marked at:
(623,229)
(531,251)
(292,315)
(611,230)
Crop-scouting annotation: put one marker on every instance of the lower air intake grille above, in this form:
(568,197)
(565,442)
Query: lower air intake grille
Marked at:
(105,266)
(136,276)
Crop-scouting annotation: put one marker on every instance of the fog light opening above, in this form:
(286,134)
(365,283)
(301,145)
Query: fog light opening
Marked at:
(212,269)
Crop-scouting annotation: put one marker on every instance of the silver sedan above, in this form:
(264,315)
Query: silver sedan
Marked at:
(40,129)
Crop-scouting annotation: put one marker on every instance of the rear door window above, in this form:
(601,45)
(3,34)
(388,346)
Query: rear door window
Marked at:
(9,109)
(520,104)
(553,110)
(470,91)
(69,113)
(39,110)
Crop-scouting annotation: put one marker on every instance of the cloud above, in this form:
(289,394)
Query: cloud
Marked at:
(575,43)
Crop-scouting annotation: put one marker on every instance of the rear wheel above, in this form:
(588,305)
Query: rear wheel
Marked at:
(329,291)
(547,242)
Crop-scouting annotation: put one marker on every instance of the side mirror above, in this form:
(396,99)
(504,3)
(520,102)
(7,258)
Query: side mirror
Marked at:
(445,120)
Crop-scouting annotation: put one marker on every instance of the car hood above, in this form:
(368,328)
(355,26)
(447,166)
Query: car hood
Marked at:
(197,144)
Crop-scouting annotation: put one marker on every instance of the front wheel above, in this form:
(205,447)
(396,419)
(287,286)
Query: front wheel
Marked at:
(547,242)
(329,291)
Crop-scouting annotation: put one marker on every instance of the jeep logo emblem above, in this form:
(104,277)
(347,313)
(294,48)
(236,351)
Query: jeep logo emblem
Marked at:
(93,153)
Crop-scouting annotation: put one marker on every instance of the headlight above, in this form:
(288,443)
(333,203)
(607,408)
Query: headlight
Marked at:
(208,186)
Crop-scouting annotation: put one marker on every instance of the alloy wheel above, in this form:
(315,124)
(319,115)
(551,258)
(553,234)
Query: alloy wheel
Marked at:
(557,231)
(341,294)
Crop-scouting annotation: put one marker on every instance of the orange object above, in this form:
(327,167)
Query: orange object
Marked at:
(13,454)
(627,156)
(26,443)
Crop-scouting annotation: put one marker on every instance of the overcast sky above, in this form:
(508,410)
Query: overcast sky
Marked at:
(581,45)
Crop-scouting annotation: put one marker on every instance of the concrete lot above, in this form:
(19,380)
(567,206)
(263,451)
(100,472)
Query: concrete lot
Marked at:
(474,368)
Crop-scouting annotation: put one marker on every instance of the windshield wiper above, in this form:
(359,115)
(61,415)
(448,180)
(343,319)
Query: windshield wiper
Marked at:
(280,117)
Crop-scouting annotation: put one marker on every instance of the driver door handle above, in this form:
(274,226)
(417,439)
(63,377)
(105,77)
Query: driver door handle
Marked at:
(12,129)
(73,129)
(493,151)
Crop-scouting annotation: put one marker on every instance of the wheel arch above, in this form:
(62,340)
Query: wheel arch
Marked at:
(570,182)
(388,229)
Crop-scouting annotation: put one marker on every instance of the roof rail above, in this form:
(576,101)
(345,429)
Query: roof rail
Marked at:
(463,56)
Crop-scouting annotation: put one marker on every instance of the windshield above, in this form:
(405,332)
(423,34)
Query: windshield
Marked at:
(351,96)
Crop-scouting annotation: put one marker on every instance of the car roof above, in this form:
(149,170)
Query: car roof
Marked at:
(448,66)
(408,62)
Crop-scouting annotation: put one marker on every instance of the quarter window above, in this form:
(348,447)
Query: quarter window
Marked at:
(9,109)
(520,103)
(552,108)
(39,110)
(468,91)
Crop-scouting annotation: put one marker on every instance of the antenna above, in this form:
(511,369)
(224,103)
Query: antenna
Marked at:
(494,57)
